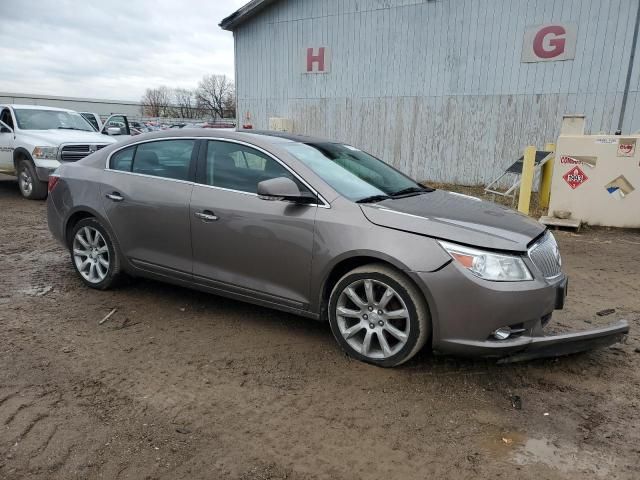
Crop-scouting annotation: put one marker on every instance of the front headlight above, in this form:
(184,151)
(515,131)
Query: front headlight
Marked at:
(496,267)
(45,153)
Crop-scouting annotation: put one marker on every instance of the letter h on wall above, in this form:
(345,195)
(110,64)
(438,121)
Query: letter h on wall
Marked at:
(317,62)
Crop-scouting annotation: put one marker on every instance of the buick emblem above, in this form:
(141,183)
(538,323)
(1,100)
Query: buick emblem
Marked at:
(93,148)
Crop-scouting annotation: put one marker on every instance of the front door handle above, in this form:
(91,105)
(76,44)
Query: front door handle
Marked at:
(206,216)
(115,196)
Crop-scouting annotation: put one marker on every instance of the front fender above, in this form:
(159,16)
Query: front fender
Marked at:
(344,233)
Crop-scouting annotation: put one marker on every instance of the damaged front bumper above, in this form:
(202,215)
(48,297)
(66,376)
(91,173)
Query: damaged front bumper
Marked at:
(528,348)
(467,311)
(569,343)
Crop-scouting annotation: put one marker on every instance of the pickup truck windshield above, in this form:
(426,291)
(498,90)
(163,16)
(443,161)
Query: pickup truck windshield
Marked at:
(32,119)
(353,173)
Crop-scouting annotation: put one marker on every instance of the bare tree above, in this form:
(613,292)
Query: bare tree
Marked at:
(156,101)
(212,94)
(185,103)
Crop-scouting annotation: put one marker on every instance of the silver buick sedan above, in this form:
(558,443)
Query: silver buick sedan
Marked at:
(320,229)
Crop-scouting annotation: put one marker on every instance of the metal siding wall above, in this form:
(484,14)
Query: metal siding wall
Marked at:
(436,88)
(79,104)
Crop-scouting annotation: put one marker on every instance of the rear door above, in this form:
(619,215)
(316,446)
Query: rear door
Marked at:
(241,243)
(146,196)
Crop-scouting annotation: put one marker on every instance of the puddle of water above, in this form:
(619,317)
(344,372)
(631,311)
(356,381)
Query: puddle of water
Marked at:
(565,458)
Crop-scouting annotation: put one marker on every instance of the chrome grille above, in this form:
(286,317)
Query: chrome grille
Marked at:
(73,153)
(546,256)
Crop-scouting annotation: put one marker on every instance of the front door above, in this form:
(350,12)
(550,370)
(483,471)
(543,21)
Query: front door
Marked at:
(7,141)
(116,125)
(146,195)
(254,247)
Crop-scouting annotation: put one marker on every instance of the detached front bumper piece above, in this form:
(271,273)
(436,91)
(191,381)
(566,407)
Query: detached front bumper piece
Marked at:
(568,343)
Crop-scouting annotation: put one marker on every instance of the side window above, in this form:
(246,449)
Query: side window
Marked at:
(5,117)
(237,167)
(122,160)
(164,158)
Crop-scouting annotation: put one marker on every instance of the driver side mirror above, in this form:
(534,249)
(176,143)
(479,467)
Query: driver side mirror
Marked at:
(114,131)
(283,188)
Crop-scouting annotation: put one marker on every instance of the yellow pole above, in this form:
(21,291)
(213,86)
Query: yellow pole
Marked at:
(527,179)
(547,175)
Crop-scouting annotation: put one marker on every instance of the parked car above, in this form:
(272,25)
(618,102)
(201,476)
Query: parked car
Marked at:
(35,140)
(320,229)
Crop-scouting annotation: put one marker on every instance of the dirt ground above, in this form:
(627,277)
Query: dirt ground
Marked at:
(180,384)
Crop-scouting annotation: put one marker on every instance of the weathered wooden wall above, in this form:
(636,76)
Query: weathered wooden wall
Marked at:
(436,87)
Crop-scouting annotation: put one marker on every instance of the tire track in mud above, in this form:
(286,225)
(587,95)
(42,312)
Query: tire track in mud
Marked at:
(23,439)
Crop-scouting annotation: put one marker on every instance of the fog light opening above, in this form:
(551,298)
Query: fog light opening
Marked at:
(502,333)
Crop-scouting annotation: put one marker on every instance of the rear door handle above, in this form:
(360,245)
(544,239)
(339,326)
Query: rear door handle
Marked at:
(206,216)
(115,196)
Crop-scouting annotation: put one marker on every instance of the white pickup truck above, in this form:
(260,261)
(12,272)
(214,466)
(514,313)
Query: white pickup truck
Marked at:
(34,140)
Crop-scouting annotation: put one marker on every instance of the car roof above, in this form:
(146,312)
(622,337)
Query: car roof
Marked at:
(251,136)
(35,107)
(257,137)
(293,137)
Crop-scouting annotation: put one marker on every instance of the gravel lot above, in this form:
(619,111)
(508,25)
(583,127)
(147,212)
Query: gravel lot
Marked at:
(180,384)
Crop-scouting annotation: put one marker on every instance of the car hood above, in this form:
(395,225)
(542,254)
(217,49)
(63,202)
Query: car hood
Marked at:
(458,218)
(44,138)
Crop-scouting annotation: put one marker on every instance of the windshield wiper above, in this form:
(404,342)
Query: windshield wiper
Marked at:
(406,191)
(373,199)
(71,128)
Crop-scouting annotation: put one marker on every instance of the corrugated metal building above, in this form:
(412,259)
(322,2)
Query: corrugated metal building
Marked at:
(101,107)
(447,90)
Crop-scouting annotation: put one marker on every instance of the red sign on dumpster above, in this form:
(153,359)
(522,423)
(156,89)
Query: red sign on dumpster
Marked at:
(575,177)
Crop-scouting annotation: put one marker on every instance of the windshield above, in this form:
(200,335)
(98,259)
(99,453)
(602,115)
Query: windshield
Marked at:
(31,119)
(351,172)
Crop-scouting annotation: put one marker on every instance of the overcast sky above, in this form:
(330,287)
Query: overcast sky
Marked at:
(112,49)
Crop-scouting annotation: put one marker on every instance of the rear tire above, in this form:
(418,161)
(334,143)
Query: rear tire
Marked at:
(30,186)
(94,255)
(378,315)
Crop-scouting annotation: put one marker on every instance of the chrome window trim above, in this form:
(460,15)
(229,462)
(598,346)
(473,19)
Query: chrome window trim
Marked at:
(324,203)
(144,175)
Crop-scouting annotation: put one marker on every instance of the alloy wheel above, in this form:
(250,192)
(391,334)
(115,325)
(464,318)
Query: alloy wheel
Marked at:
(26,182)
(91,254)
(373,318)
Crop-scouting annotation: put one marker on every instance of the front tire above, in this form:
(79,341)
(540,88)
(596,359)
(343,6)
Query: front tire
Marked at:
(94,255)
(30,186)
(378,315)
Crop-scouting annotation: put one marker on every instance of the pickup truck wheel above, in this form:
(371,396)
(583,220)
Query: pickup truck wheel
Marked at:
(378,315)
(28,182)
(94,255)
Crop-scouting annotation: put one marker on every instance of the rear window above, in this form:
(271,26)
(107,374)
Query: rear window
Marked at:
(164,158)
(122,160)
